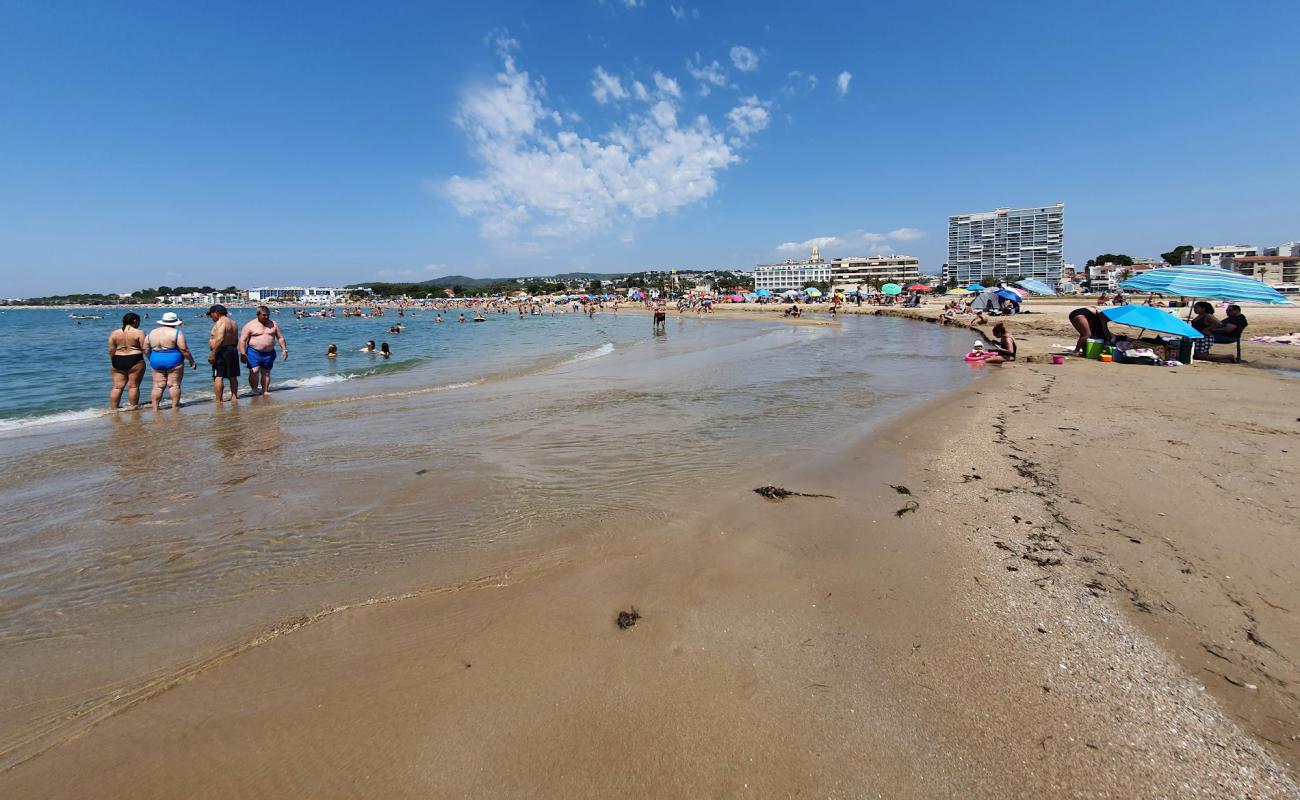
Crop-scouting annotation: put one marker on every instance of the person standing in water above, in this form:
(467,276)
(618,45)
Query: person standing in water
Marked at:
(166,351)
(257,345)
(661,317)
(223,353)
(126,356)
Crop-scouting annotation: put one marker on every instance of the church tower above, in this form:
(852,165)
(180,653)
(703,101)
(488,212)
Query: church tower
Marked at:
(816,255)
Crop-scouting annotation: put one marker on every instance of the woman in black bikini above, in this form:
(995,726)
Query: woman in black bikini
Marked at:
(1090,324)
(126,356)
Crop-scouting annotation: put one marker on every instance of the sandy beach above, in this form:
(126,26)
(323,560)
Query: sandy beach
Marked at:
(1071,580)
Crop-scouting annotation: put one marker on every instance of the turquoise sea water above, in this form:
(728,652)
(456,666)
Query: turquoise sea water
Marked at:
(58,370)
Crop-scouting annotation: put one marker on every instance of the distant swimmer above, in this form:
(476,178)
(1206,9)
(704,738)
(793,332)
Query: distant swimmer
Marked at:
(332,351)
(223,352)
(166,351)
(257,345)
(126,357)
(384,352)
(437,318)
(462,318)
(370,347)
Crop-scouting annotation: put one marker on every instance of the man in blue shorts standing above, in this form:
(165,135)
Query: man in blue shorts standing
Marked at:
(257,347)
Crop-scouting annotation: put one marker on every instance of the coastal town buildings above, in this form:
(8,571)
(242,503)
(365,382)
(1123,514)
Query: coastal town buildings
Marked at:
(201,298)
(1213,256)
(1006,243)
(792,274)
(327,295)
(854,271)
(1280,272)
(846,273)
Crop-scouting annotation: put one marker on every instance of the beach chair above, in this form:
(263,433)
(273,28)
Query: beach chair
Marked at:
(1209,343)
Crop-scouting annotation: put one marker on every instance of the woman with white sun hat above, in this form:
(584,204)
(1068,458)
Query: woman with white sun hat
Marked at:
(166,352)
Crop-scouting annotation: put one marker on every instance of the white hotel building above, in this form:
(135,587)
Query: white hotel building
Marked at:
(1006,242)
(792,274)
(842,273)
(310,295)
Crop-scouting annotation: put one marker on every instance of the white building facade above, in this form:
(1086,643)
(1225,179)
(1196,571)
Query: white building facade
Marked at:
(792,274)
(311,295)
(1216,255)
(1006,243)
(854,271)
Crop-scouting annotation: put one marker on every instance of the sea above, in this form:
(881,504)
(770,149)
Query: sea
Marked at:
(137,546)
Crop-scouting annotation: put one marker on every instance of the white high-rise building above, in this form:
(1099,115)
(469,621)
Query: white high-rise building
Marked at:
(1005,243)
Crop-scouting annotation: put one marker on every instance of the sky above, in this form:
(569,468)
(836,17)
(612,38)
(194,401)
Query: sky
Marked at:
(323,143)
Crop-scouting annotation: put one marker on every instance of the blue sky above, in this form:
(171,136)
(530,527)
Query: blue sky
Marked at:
(316,142)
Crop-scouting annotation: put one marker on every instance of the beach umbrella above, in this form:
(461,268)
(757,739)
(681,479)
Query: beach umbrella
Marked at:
(1023,293)
(763,293)
(1150,318)
(958,292)
(891,289)
(1210,283)
(1007,294)
(1037,287)
(813,291)
(975,287)
(790,293)
(919,287)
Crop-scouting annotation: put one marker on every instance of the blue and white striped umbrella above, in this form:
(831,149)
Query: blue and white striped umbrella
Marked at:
(1210,283)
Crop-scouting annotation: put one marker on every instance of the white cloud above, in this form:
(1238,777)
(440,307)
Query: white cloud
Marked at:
(539,180)
(906,234)
(606,87)
(799,82)
(666,85)
(842,82)
(633,3)
(744,59)
(679,12)
(854,243)
(708,75)
(750,117)
(638,89)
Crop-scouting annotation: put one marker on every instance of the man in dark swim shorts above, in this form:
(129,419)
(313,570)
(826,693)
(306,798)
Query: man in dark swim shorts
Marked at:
(223,354)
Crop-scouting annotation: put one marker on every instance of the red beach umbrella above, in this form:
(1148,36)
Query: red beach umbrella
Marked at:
(919,287)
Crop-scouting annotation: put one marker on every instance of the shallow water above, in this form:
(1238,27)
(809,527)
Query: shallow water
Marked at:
(133,542)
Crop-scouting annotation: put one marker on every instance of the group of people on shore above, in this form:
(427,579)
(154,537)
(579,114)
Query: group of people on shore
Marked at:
(166,352)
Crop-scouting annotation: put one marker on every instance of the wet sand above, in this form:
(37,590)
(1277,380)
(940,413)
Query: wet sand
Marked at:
(1065,613)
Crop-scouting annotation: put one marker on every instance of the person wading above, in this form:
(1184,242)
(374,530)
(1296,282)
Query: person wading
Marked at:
(257,345)
(223,353)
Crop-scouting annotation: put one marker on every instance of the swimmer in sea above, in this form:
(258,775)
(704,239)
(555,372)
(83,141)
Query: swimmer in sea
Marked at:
(384,352)
(370,347)
(437,318)
(332,351)
(166,351)
(462,318)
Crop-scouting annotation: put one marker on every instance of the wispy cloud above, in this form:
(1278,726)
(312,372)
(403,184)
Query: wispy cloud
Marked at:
(750,117)
(606,87)
(744,59)
(541,180)
(857,242)
(709,75)
(842,82)
(798,82)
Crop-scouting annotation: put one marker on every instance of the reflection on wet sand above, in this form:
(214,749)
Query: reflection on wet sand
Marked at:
(160,536)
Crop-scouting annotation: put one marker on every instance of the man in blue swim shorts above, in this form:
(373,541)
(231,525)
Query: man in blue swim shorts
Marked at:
(257,347)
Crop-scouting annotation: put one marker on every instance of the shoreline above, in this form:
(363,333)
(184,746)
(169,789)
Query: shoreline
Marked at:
(924,647)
